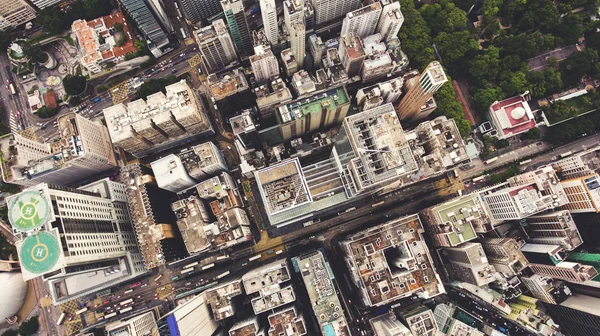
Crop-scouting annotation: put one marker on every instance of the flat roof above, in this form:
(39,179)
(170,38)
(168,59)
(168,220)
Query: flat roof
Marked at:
(282,186)
(228,83)
(314,104)
(512,116)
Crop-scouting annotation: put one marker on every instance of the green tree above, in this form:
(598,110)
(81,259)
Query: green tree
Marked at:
(456,49)
(485,66)
(52,19)
(46,112)
(29,327)
(484,98)
(515,85)
(532,134)
(491,9)
(10,332)
(96,8)
(122,40)
(443,16)
(415,36)
(559,110)
(5,39)
(448,106)
(571,28)
(541,14)
(579,64)
(35,53)
(118,27)
(74,85)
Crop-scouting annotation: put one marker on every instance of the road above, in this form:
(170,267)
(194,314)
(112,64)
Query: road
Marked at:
(17,115)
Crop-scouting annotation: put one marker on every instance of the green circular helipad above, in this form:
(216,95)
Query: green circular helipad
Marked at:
(39,253)
(28,211)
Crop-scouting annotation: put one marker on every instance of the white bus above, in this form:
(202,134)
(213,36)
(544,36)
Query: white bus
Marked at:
(190,265)
(279,252)
(124,310)
(479,178)
(205,267)
(81,311)
(128,291)
(186,271)
(107,316)
(524,162)
(61,319)
(255,257)
(490,160)
(222,275)
(128,301)
(158,277)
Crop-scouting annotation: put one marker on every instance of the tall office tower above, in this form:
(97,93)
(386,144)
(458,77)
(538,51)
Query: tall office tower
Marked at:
(216,46)
(546,289)
(552,228)
(572,167)
(140,325)
(352,54)
(171,174)
(79,240)
(505,255)
(192,318)
(198,10)
(362,22)
(329,10)
(548,260)
(316,49)
(577,316)
(420,90)
(238,26)
(82,150)
(390,21)
(470,264)
(14,13)
(388,325)
(152,22)
(583,194)
(268,12)
(297,42)
(293,11)
(264,64)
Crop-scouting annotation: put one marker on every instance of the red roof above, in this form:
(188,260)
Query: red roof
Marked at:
(50,99)
(512,116)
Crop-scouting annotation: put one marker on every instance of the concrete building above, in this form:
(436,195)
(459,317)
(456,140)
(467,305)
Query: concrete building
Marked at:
(227,84)
(288,60)
(390,21)
(362,22)
(282,186)
(546,289)
(247,327)
(198,10)
(171,174)
(553,228)
(505,255)
(15,13)
(264,64)
(152,22)
(267,100)
(268,12)
(379,94)
(391,261)
(573,166)
(215,46)
(297,42)
(161,121)
(293,11)
(140,325)
(548,260)
(83,149)
(420,320)
(546,181)
(87,241)
(352,54)
(270,282)
(314,113)
(388,325)
(317,48)
(286,321)
(303,83)
(318,280)
(379,61)
(219,299)
(191,318)
(420,90)
(470,264)
(511,117)
(329,10)
(222,193)
(238,26)
(578,315)
(203,161)
(583,194)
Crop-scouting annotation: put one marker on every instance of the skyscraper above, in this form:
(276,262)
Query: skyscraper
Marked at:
(328,10)
(152,21)
(297,42)
(197,10)
(363,21)
(554,228)
(505,255)
(577,316)
(216,46)
(191,318)
(238,26)
(14,13)
(421,90)
(316,49)
(390,21)
(470,264)
(264,64)
(548,260)
(583,194)
(269,17)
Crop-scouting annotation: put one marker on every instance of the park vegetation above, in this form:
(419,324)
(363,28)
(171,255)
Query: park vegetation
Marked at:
(55,20)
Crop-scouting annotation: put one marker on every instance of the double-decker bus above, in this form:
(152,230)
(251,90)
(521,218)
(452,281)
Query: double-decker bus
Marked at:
(126,302)
(61,319)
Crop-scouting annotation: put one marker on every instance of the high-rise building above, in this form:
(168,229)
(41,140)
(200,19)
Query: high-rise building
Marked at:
(14,13)
(162,121)
(289,62)
(215,46)
(546,289)
(238,26)
(316,49)
(268,12)
(390,21)
(140,325)
(152,22)
(192,318)
(264,64)
(171,174)
(362,22)
(41,4)
(505,255)
(329,10)
(577,316)
(379,94)
(419,319)
(293,11)
(420,90)
(198,10)
(297,42)
(548,260)
(553,228)
(572,167)
(271,283)
(388,325)
(352,54)
(83,149)
(203,160)
(470,264)
(79,240)
(583,194)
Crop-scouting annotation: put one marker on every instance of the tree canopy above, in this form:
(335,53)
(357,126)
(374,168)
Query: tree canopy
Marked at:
(29,327)
(415,36)
(46,112)
(443,16)
(74,85)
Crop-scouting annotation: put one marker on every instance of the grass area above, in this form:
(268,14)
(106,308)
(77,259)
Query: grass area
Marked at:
(69,39)
(574,107)
(39,38)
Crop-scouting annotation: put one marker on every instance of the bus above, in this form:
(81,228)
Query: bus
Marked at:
(478,178)
(12,89)
(524,162)
(61,319)
(564,155)
(124,310)
(81,311)
(158,277)
(255,10)
(175,278)
(126,302)
(188,270)
(279,252)
(190,265)
(128,291)
(183,33)
(107,316)
(377,204)
(222,275)
(205,267)
(255,257)
(490,160)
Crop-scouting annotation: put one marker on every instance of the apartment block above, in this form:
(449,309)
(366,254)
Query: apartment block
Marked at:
(379,94)
(420,90)
(362,22)
(268,100)
(189,319)
(162,121)
(297,42)
(553,228)
(293,11)
(268,12)
(329,10)
(505,255)
(219,299)
(82,150)
(351,53)
(171,174)
(583,194)
(470,264)
(14,13)
(215,46)
(264,64)
(227,84)
(270,282)
(391,21)
(391,261)
(203,161)
(238,26)
(288,60)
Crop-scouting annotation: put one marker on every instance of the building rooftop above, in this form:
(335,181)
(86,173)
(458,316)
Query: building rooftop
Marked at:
(391,261)
(197,158)
(298,109)
(221,191)
(171,174)
(282,186)
(227,84)
(278,95)
(303,82)
(353,46)
(364,10)
(421,321)
(388,325)
(219,299)
(268,281)
(512,116)
(286,322)
(436,73)
(242,123)
(546,181)
(288,58)
(192,221)
(248,327)
(318,276)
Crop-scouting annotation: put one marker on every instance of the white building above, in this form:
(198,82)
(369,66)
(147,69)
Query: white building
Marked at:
(83,149)
(297,42)
(191,318)
(293,11)
(388,325)
(572,167)
(171,175)
(362,22)
(271,283)
(553,228)
(264,64)
(203,160)
(583,194)
(14,13)
(268,12)
(328,10)
(215,46)
(390,21)
(470,264)
(140,325)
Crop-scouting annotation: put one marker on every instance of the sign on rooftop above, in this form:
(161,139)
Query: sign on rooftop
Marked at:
(28,211)
(39,253)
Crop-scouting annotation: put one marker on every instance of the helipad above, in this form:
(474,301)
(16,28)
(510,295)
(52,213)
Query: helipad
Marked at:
(39,253)
(28,211)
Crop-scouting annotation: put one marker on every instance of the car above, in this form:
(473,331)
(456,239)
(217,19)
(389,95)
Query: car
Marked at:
(118,297)
(144,285)
(139,296)
(157,283)
(188,283)
(106,302)
(156,298)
